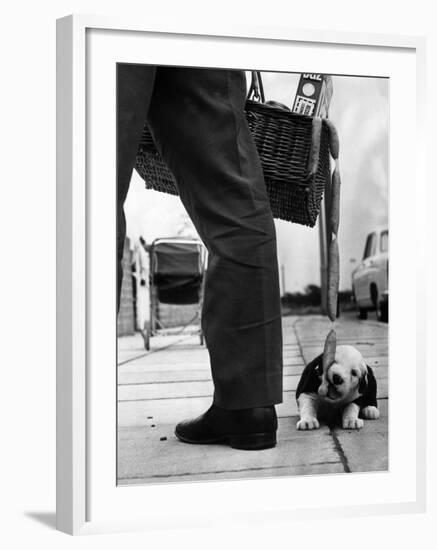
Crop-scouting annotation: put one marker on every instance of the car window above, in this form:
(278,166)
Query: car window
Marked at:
(369,249)
(384,241)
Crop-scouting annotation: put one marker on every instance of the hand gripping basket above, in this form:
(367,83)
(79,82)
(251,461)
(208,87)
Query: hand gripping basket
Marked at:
(294,151)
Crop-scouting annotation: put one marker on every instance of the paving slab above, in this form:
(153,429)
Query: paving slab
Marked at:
(172,375)
(134,413)
(366,450)
(145,454)
(201,388)
(157,389)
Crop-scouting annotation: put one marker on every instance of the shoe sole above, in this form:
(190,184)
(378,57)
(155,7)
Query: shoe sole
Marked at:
(247,442)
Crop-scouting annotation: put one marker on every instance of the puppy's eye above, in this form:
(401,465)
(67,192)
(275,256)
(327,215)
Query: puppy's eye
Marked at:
(354,373)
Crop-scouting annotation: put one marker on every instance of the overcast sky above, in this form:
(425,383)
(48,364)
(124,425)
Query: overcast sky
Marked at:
(360,112)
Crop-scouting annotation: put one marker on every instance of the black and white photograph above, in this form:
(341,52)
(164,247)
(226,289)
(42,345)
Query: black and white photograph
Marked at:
(252,274)
(218,284)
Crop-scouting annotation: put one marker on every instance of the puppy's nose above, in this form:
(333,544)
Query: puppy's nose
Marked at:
(337,380)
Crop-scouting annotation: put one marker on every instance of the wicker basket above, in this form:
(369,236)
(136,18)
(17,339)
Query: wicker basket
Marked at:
(294,153)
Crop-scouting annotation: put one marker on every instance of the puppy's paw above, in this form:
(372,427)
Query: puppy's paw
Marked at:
(370,413)
(308,423)
(352,423)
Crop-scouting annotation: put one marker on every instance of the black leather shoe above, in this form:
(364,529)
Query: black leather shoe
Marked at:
(249,429)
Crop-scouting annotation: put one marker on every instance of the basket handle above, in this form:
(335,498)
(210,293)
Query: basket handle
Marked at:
(256,90)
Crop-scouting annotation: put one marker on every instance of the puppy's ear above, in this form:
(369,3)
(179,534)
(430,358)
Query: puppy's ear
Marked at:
(310,380)
(368,389)
(316,365)
(363,384)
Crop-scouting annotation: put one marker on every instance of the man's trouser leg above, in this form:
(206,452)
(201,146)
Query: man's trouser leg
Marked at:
(197,119)
(134,89)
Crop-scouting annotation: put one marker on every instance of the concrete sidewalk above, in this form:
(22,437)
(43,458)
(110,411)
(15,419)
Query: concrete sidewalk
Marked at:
(172,382)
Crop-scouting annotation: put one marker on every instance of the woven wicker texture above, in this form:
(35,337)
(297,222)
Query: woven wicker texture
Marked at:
(284,143)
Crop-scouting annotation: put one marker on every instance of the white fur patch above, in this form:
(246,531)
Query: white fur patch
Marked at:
(350,420)
(308,412)
(370,413)
(308,423)
(348,368)
(350,423)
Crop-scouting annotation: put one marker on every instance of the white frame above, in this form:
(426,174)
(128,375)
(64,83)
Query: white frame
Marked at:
(72,245)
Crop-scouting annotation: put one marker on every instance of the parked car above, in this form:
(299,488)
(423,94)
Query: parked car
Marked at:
(370,277)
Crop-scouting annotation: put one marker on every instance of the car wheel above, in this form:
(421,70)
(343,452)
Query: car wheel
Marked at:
(374,296)
(362,313)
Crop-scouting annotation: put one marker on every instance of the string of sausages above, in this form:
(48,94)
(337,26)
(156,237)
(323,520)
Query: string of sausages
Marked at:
(333,255)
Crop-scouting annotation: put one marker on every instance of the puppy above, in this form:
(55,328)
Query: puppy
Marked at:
(347,388)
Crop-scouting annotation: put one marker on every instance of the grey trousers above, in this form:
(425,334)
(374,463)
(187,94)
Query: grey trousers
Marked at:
(197,120)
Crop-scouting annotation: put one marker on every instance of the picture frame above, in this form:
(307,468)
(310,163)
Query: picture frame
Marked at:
(87,500)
